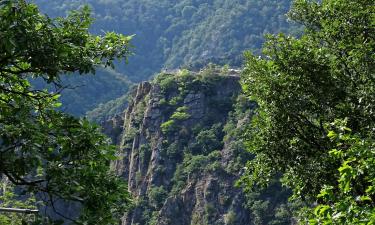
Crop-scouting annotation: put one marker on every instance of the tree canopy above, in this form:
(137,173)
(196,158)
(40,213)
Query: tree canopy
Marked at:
(43,150)
(170,34)
(315,122)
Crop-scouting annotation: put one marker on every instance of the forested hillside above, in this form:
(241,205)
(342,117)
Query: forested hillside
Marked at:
(84,93)
(170,34)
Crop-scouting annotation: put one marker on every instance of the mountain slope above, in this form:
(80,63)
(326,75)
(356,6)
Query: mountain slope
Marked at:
(181,153)
(84,93)
(170,34)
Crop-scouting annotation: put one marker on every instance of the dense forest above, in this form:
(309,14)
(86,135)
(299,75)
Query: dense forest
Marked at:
(282,134)
(170,35)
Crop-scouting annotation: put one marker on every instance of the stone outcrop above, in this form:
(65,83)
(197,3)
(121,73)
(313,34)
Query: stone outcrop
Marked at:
(175,155)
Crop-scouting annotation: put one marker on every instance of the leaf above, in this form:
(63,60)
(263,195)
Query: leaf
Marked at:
(331,134)
(57,104)
(365,198)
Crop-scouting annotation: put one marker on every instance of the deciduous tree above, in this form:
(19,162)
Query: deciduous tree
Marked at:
(303,87)
(43,150)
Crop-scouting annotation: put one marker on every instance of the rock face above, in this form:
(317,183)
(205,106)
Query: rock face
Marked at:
(180,152)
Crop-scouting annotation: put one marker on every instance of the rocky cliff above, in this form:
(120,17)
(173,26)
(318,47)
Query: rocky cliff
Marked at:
(181,151)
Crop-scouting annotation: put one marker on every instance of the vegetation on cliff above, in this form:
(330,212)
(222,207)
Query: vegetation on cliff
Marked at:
(182,153)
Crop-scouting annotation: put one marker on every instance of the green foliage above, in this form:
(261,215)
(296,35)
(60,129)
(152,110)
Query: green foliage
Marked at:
(351,202)
(168,126)
(180,114)
(157,196)
(108,83)
(108,110)
(105,111)
(194,149)
(154,218)
(170,34)
(210,73)
(128,138)
(173,150)
(175,86)
(167,82)
(270,205)
(302,86)
(235,127)
(259,208)
(43,150)
(194,165)
(9,199)
(209,140)
(283,215)
(92,92)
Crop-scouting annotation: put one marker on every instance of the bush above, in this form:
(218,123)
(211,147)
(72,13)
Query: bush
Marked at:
(170,151)
(209,140)
(166,82)
(167,126)
(156,196)
(175,100)
(181,114)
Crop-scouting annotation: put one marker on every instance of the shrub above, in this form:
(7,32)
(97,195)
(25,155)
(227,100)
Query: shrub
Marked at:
(181,114)
(230,218)
(175,100)
(209,140)
(166,82)
(167,126)
(157,195)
